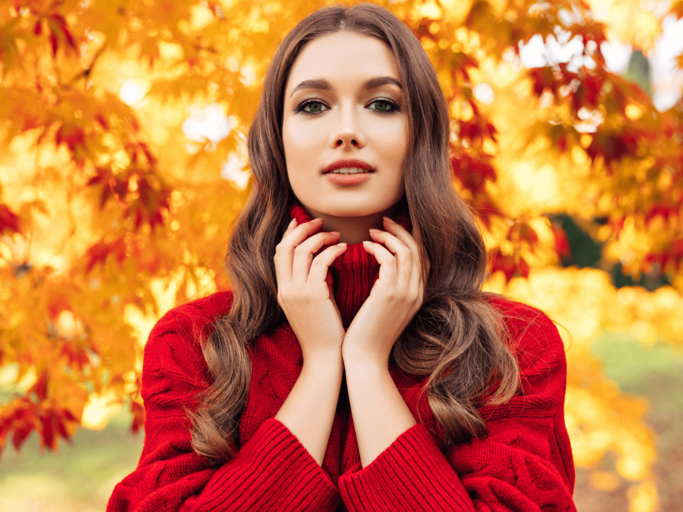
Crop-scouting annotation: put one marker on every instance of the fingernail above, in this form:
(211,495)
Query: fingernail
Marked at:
(341,243)
(367,242)
(291,223)
(374,231)
(389,220)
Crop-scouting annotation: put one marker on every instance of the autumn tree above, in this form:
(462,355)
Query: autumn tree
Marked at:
(123,164)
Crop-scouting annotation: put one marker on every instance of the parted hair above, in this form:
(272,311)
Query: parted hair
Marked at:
(457,338)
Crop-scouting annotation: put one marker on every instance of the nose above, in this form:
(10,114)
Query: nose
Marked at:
(347,132)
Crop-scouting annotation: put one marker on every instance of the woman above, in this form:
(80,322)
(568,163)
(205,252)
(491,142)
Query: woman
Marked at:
(356,364)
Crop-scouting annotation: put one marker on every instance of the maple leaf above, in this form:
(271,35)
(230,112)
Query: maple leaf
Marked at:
(9,221)
(98,253)
(472,172)
(562,246)
(59,31)
(138,413)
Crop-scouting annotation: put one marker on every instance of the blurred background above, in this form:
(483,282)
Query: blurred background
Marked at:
(123,164)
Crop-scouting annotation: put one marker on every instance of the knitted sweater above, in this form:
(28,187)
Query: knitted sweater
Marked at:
(524,464)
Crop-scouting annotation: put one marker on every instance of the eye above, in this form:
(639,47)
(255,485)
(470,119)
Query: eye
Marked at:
(316,106)
(385,105)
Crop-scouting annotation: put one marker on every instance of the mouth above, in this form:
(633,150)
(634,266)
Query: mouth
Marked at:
(350,171)
(348,166)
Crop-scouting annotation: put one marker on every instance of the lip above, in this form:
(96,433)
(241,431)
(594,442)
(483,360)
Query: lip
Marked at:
(348,162)
(350,179)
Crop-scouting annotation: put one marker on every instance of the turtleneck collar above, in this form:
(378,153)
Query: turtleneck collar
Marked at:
(354,272)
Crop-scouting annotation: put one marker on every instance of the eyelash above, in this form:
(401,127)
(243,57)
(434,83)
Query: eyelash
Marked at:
(301,106)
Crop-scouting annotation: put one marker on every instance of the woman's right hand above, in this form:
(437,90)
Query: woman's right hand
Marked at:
(303,292)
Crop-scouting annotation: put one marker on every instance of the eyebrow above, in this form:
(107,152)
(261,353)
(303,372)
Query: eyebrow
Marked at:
(323,84)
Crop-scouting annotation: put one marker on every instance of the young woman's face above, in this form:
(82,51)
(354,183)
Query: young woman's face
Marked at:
(343,100)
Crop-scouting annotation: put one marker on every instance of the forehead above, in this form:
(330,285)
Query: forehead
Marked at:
(343,58)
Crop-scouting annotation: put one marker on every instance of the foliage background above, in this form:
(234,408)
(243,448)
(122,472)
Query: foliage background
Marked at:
(123,165)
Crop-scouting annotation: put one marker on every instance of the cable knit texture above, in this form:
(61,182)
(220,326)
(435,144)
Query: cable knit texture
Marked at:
(524,464)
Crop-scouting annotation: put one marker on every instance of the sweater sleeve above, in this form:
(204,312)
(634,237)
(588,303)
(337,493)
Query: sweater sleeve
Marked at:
(524,464)
(271,471)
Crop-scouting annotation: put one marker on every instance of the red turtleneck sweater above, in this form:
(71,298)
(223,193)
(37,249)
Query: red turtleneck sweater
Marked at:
(525,463)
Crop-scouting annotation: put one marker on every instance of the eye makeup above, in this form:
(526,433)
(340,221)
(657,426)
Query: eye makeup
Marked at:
(393,106)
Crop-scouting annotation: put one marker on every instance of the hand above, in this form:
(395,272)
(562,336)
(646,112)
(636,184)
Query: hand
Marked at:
(395,298)
(304,291)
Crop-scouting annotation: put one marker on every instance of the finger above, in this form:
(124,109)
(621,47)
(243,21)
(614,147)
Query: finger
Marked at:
(303,254)
(288,229)
(405,264)
(284,256)
(401,233)
(404,235)
(386,260)
(321,264)
(293,223)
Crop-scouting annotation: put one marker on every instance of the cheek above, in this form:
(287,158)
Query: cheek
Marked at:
(302,143)
(392,143)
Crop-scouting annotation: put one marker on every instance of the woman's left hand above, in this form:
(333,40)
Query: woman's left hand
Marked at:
(395,298)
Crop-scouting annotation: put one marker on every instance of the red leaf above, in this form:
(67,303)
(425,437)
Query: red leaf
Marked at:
(523,267)
(9,221)
(67,414)
(39,387)
(47,437)
(73,136)
(98,253)
(54,43)
(138,412)
(472,173)
(76,355)
(101,120)
(561,242)
(614,146)
(506,263)
(586,94)
(24,423)
(63,26)
(542,78)
(522,232)
(61,429)
(667,211)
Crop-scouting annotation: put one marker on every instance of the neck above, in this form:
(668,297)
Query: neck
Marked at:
(354,272)
(353,230)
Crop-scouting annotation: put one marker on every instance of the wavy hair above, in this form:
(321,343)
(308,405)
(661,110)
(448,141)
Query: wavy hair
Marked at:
(457,338)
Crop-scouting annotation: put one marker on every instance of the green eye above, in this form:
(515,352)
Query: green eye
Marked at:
(384,106)
(316,106)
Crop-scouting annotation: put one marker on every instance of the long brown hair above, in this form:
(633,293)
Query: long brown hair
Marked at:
(457,337)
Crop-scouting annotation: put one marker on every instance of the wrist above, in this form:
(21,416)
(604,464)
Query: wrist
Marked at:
(324,362)
(363,360)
